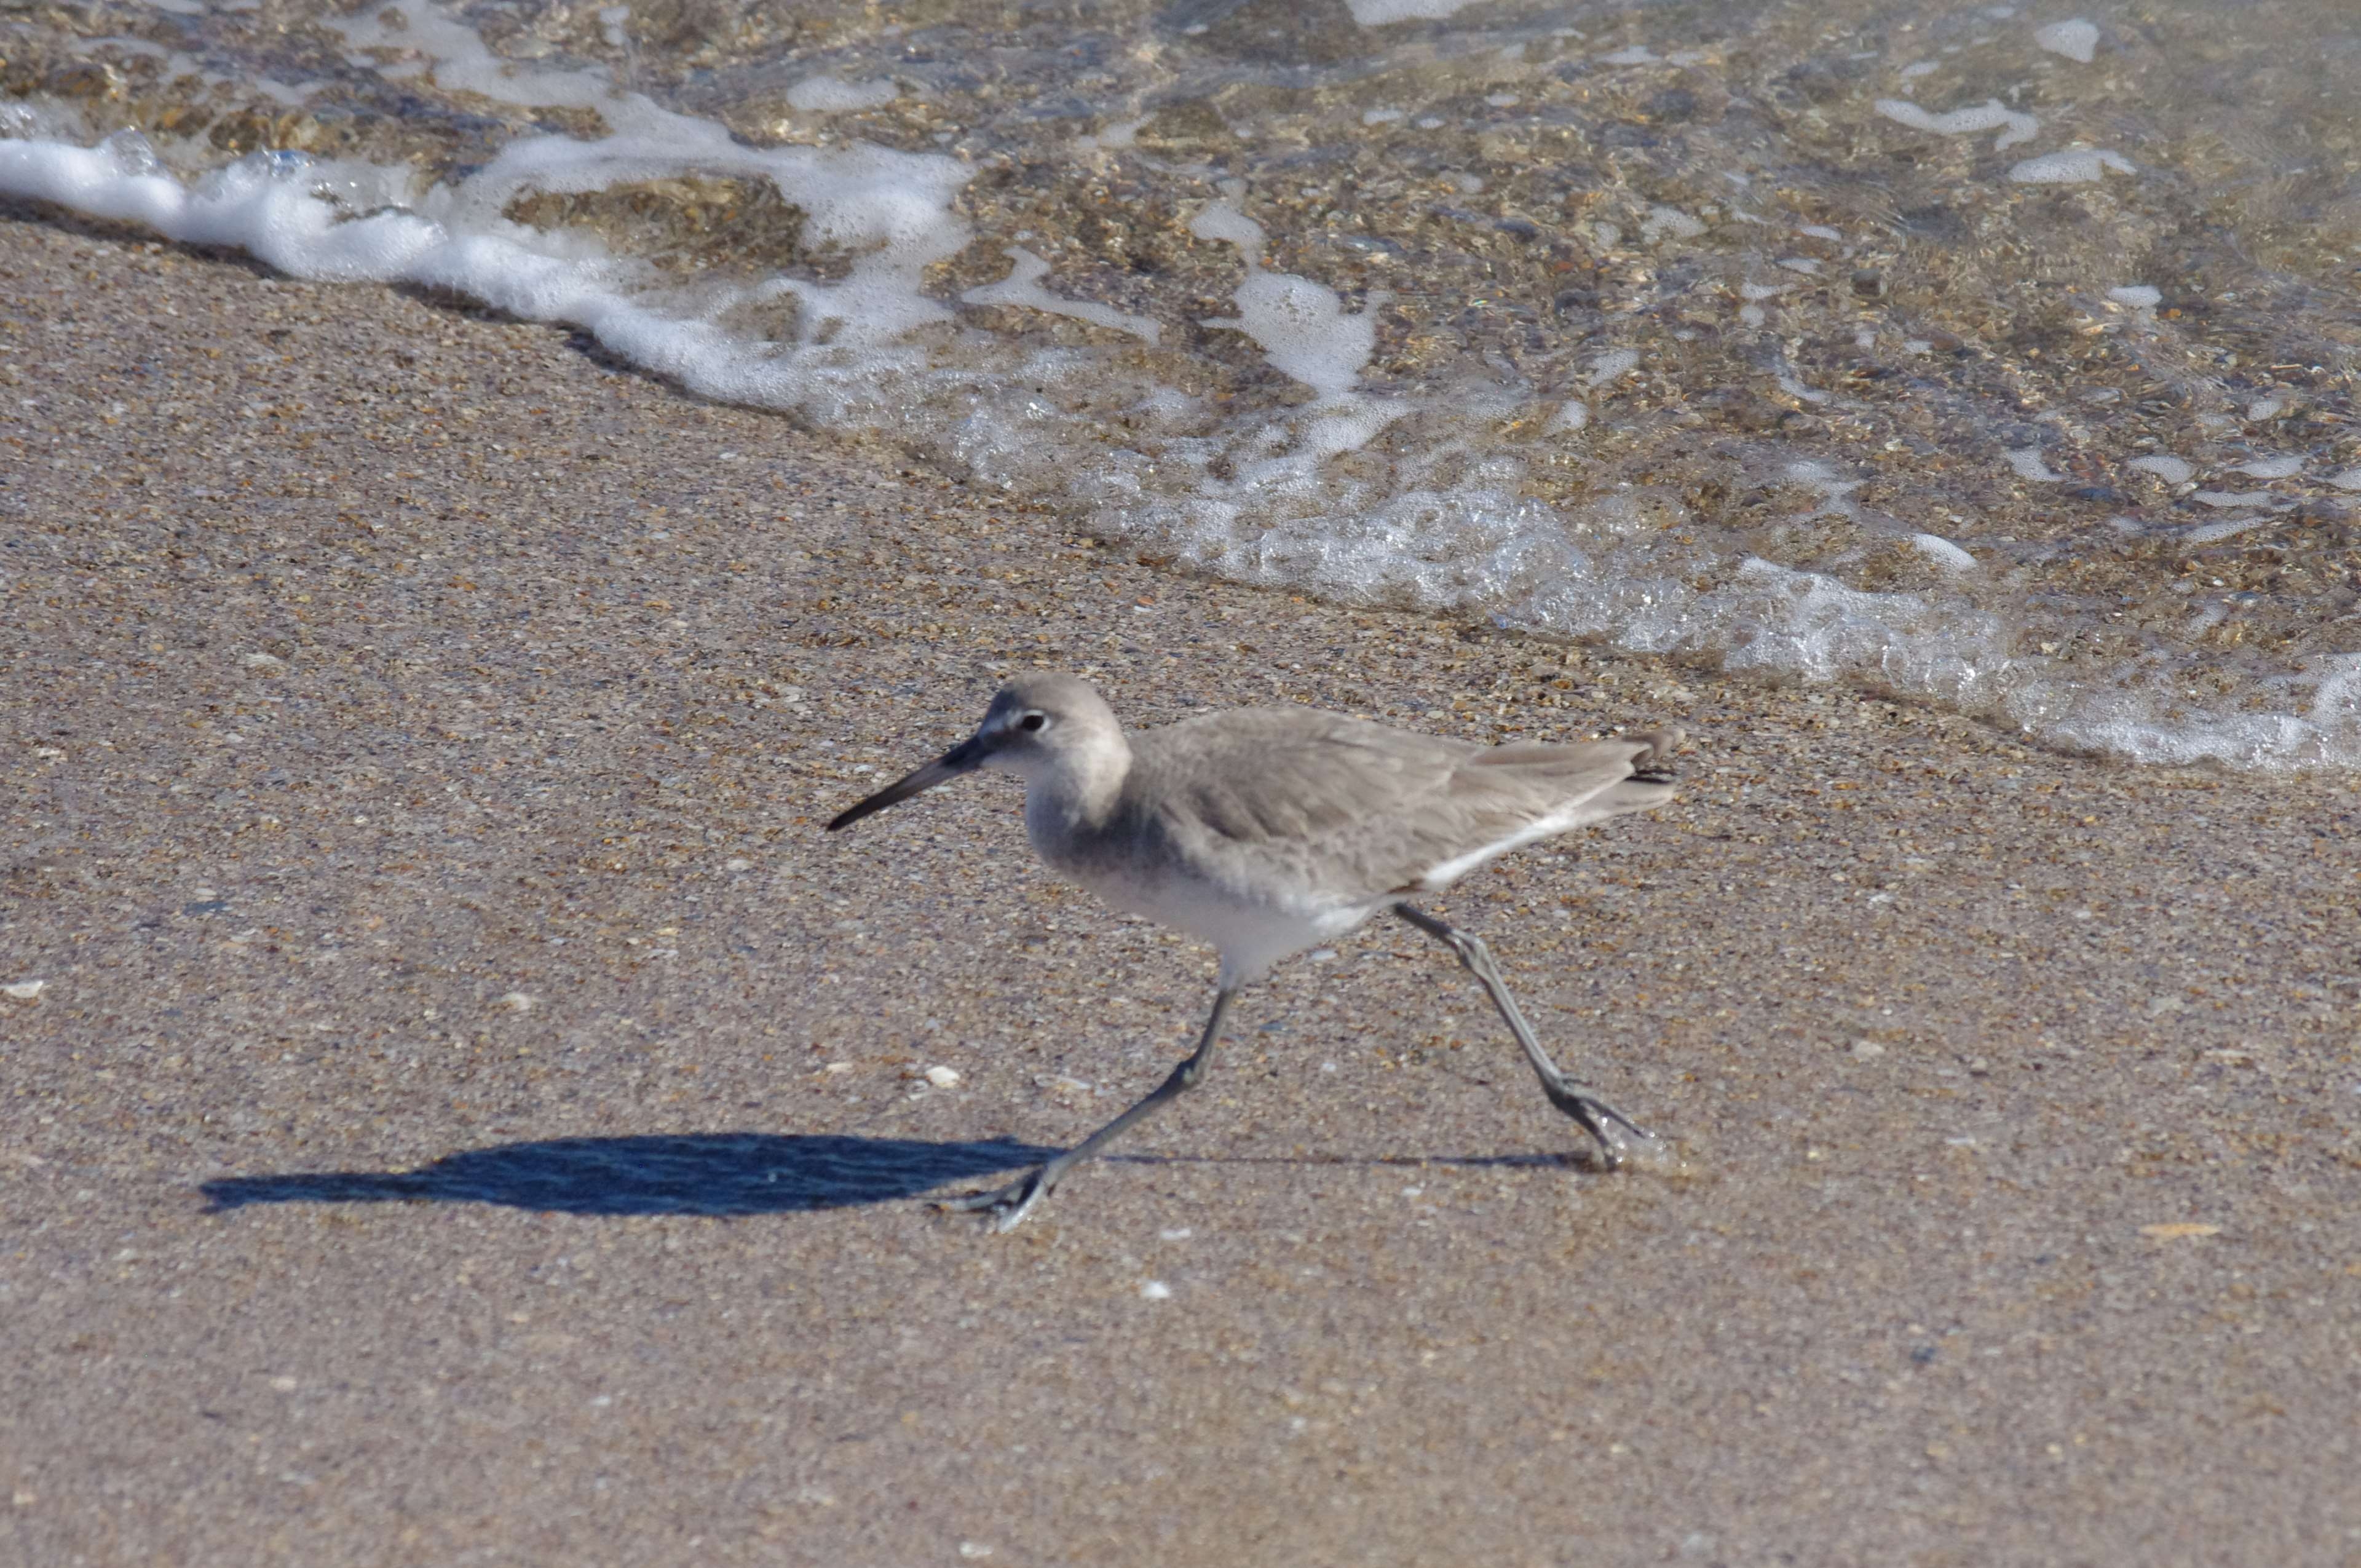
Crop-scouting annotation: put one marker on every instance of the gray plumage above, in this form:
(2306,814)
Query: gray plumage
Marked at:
(1266,831)
(1309,818)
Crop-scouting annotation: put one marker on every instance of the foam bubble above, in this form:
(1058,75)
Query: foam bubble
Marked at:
(1303,329)
(2285,467)
(2171,469)
(459,59)
(1023,287)
(2077,40)
(1607,366)
(2136,296)
(832,95)
(2080,166)
(2350,479)
(1990,115)
(1576,414)
(1302,326)
(1835,491)
(1383,13)
(1662,222)
(1943,552)
(1118,133)
(2215,532)
(2026,461)
(1221,221)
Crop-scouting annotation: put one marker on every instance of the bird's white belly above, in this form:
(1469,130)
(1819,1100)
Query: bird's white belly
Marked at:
(1252,934)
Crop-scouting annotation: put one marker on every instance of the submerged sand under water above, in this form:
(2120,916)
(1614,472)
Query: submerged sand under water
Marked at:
(1983,356)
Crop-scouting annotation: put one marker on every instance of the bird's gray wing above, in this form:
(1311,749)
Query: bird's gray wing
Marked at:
(1339,808)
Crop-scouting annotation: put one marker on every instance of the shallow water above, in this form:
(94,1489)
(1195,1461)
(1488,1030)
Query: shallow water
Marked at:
(2001,356)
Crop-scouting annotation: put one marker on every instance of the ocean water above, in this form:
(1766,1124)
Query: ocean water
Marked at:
(2001,356)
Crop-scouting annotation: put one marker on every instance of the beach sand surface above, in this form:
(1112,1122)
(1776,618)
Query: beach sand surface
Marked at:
(471,1113)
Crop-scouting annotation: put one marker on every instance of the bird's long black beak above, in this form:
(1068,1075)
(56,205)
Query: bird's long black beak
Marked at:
(963,758)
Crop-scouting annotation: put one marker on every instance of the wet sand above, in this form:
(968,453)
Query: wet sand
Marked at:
(472,1114)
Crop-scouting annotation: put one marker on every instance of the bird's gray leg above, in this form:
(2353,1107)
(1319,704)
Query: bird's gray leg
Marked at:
(1009,1204)
(1575,1099)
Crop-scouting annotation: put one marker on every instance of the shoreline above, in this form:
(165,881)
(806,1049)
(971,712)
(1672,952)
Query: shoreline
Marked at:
(420,735)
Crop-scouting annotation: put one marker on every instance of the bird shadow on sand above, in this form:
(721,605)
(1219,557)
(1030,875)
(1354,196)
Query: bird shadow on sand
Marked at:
(699,1173)
(724,1173)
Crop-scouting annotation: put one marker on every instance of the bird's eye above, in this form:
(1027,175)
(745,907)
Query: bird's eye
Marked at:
(1033,721)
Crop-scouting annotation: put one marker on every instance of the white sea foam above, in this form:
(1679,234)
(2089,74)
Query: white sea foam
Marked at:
(2350,479)
(2232,498)
(2026,461)
(2136,296)
(1447,520)
(1023,287)
(1221,221)
(830,95)
(2285,467)
(2077,40)
(456,56)
(1989,116)
(2078,166)
(2215,532)
(1943,552)
(1833,488)
(2171,470)
(1381,13)
(1113,136)
(1302,326)
(1664,223)
(1607,366)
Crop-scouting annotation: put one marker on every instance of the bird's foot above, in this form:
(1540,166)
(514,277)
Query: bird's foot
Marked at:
(1594,1113)
(1004,1208)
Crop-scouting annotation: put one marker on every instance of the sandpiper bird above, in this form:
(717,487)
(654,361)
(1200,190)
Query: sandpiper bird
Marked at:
(1266,831)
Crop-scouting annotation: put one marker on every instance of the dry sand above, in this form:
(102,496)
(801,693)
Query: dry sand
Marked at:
(417,732)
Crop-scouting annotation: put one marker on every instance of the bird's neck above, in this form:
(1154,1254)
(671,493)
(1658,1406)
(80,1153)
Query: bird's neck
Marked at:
(1079,794)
